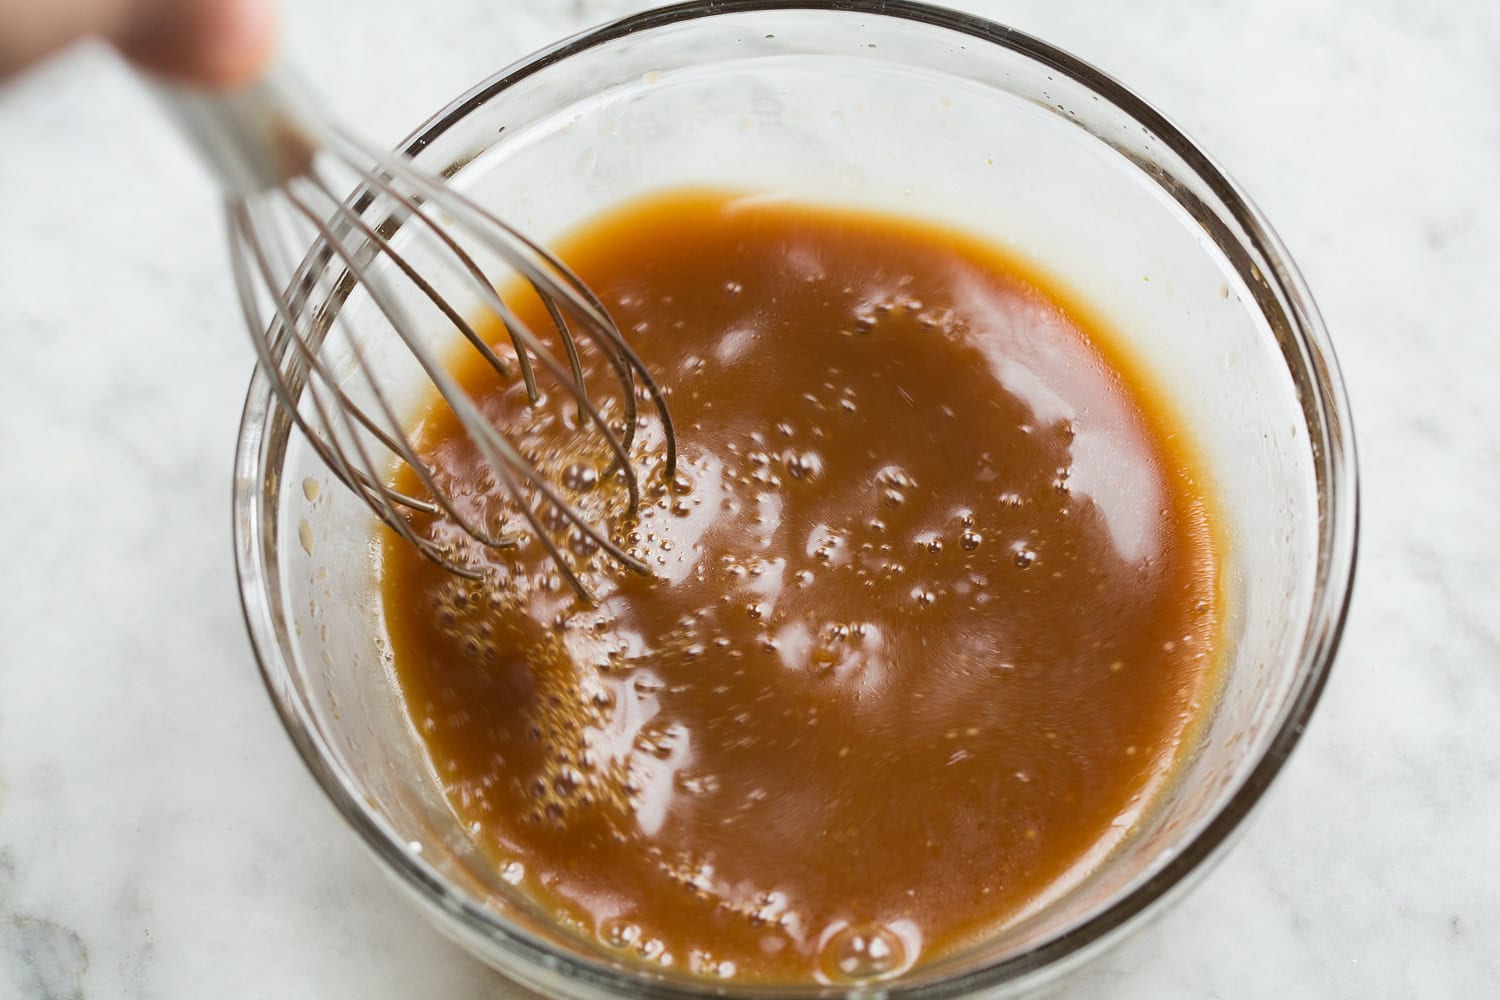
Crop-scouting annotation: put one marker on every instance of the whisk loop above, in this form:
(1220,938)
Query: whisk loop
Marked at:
(402,239)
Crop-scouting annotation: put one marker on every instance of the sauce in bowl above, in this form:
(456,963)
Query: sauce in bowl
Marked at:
(934,602)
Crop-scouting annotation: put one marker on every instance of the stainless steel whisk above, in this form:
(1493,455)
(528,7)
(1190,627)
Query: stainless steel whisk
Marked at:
(276,156)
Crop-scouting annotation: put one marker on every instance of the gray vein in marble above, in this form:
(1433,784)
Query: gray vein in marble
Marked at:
(50,959)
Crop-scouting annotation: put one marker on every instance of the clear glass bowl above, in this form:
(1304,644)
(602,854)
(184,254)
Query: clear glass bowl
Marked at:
(921,111)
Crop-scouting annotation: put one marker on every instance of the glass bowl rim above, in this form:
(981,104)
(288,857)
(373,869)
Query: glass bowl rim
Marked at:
(1337,542)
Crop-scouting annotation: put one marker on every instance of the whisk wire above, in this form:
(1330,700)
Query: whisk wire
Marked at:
(501,455)
(522,334)
(560,284)
(396,443)
(376,495)
(488,292)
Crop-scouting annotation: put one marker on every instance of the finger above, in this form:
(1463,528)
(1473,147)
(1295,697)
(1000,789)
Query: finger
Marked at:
(214,43)
(33,29)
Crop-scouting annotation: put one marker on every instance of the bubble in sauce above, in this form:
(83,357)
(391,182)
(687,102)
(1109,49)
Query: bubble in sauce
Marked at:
(619,933)
(804,465)
(580,476)
(859,952)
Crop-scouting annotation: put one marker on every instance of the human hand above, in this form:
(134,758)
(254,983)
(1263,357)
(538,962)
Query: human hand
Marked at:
(216,43)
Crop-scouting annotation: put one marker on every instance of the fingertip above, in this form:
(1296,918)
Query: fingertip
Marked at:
(246,43)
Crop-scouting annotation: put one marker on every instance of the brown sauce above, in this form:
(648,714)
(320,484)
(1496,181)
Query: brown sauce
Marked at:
(935,603)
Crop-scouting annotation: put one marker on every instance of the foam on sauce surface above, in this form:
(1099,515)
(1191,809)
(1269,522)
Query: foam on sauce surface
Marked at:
(935,603)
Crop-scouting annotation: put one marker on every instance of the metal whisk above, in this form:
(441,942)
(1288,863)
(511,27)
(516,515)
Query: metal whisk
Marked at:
(410,242)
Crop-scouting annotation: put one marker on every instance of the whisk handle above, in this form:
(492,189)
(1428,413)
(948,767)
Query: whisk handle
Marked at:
(255,138)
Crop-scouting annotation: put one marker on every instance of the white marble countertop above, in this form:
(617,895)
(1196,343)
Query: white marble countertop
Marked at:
(159,837)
